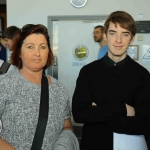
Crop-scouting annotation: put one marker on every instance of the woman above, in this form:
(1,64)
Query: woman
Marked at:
(20,92)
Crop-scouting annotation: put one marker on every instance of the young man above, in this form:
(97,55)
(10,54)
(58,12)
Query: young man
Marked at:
(98,37)
(112,97)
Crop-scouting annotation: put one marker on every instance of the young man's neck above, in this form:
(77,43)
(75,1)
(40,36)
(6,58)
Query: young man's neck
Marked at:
(116,58)
(102,43)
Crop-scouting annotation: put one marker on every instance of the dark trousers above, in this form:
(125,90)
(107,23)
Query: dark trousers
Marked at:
(96,137)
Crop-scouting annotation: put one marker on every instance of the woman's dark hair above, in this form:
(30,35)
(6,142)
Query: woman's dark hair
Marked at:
(20,37)
(10,32)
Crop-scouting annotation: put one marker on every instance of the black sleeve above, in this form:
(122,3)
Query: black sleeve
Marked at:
(140,123)
(130,125)
(82,109)
(142,101)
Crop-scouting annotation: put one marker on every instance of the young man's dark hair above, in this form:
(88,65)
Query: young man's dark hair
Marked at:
(112,97)
(8,35)
(9,32)
(122,18)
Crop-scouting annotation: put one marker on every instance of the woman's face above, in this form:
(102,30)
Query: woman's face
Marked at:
(34,52)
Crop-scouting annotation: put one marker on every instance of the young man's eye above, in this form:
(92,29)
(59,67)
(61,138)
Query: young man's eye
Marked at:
(126,34)
(112,33)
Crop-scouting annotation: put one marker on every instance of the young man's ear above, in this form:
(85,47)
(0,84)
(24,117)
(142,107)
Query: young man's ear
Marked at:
(104,37)
(132,40)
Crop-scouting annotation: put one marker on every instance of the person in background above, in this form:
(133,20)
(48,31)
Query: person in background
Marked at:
(111,96)
(20,91)
(98,37)
(8,36)
(2,50)
(6,41)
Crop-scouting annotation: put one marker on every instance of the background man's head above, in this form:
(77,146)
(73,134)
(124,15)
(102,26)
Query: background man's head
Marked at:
(98,33)
(8,36)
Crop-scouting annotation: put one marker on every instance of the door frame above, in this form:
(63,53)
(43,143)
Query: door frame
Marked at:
(87,18)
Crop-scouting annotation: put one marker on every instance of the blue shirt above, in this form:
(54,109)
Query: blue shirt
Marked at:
(102,51)
(2,52)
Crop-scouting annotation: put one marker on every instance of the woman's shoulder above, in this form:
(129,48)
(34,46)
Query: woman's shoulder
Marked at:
(56,83)
(9,76)
(59,90)
(12,67)
(54,80)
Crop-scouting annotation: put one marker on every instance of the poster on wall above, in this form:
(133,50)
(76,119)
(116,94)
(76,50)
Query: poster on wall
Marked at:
(133,51)
(146,54)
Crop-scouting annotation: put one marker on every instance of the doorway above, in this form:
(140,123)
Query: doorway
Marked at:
(73,47)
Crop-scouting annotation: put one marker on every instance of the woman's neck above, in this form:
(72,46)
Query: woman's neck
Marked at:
(32,76)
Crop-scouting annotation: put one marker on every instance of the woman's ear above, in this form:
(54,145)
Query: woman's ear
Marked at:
(20,55)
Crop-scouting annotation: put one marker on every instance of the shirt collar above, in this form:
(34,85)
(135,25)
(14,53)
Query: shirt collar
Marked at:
(110,62)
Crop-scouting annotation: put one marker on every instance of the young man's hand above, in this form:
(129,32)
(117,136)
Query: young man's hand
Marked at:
(130,110)
(94,104)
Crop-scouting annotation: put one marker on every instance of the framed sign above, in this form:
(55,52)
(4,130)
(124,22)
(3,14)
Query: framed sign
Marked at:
(133,51)
(1,26)
(80,52)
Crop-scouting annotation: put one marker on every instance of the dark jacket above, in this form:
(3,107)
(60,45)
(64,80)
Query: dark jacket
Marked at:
(111,87)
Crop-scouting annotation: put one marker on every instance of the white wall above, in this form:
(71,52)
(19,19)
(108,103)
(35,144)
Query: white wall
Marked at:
(21,12)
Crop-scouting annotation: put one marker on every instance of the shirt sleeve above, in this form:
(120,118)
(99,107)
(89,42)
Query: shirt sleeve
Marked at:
(66,141)
(140,123)
(67,111)
(64,102)
(82,109)
(3,95)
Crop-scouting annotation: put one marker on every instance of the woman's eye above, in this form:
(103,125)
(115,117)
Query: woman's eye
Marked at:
(30,47)
(42,47)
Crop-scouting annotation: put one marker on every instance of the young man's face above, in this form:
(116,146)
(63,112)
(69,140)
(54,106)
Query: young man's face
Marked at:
(97,35)
(118,40)
(8,43)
